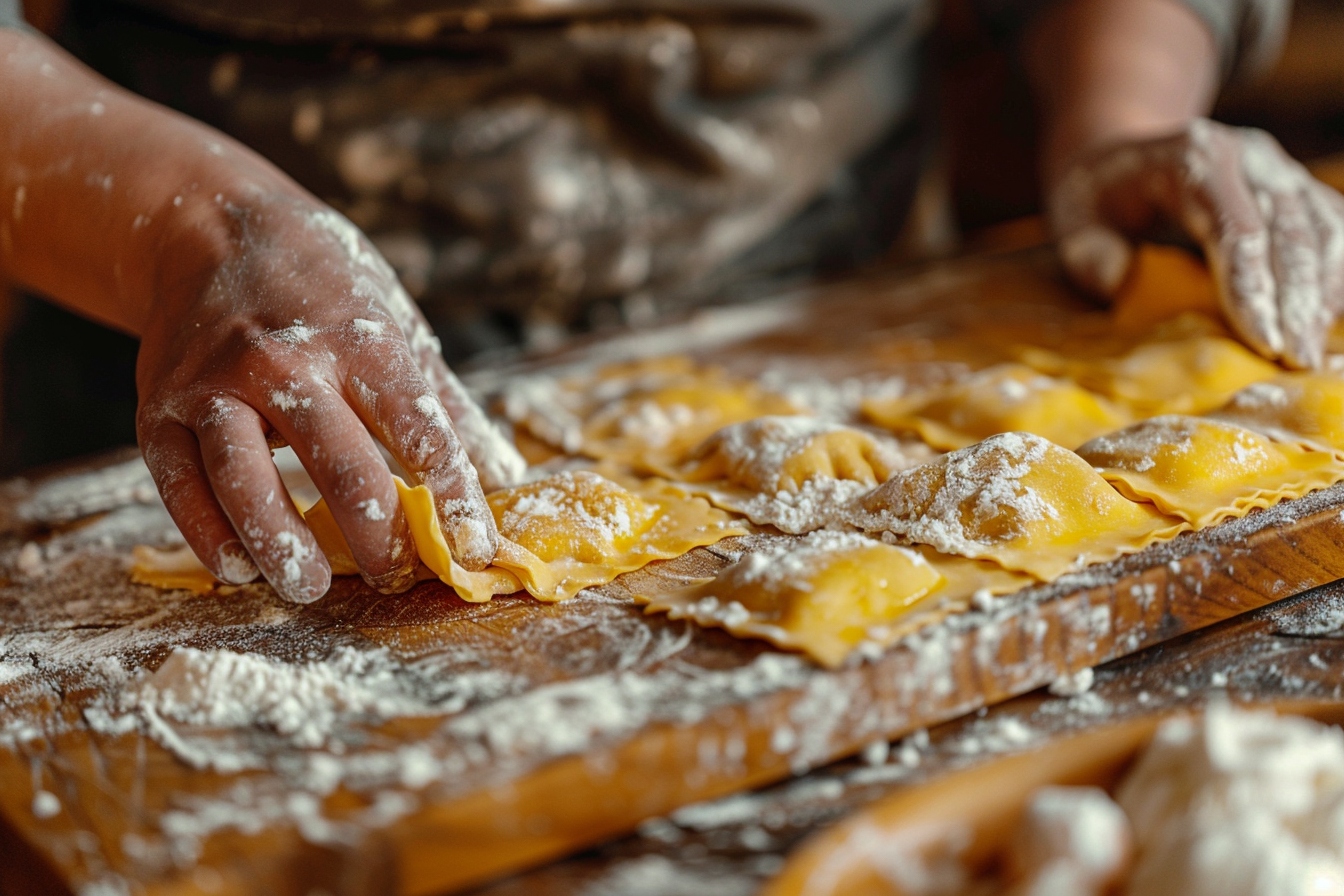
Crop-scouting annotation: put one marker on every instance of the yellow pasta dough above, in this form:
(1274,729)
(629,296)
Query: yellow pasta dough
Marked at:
(170,568)
(1165,282)
(1305,408)
(1205,470)
(557,536)
(1177,373)
(828,592)
(1004,398)
(1017,499)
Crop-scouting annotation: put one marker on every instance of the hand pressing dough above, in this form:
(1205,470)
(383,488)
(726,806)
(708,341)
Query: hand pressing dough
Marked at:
(1302,408)
(1004,398)
(557,536)
(1204,470)
(794,473)
(828,592)
(1018,500)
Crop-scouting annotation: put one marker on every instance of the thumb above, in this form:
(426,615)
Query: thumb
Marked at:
(1097,258)
(1095,255)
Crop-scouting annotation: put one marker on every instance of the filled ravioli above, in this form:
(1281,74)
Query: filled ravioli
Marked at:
(1004,398)
(558,535)
(822,593)
(647,415)
(826,593)
(794,473)
(1017,499)
(1306,408)
(1183,368)
(1205,470)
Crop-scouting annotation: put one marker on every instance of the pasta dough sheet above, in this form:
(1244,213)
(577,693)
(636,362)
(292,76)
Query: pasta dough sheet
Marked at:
(1018,500)
(827,593)
(170,569)
(558,535)
(1205,470)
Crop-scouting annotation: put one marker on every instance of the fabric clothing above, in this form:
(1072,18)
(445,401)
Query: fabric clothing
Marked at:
(524,163)
(11,14)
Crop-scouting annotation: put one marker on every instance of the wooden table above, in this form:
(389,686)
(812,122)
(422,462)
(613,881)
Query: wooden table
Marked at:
(496,737)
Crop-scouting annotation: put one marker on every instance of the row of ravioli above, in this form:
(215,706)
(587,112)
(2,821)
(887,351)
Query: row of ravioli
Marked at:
(1019,507)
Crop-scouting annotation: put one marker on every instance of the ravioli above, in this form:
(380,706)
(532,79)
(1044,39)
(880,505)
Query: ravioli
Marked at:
(647,415)
(1303,408)
(1204,470)
(1005,398)
(794,473)
(822,593)
(829,592)
(1016,499)
(559,535)
(1189,373)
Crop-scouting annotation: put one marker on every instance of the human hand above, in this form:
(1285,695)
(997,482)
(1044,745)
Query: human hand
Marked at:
(300,332)
(1272,234)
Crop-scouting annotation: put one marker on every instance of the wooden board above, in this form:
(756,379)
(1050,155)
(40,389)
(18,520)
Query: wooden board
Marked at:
(488,738)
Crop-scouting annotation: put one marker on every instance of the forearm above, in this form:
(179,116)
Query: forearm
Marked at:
(107,201)
(1107,71)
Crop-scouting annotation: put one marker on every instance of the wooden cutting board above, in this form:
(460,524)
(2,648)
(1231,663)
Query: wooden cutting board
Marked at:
(419,744)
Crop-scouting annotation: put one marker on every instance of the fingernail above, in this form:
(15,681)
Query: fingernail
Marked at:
(398,581)
(234,565)
(306,592)
(473,542)
(1099,256)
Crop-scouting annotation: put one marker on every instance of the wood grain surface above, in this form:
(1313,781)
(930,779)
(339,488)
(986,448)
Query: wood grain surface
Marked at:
(541,729)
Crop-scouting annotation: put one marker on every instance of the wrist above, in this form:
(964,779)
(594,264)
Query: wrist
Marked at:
(1113,71)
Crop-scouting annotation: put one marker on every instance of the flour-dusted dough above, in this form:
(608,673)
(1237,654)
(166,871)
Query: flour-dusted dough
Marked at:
(647,415)
(558,535)
(794,473)
(1003,398)
(827,593)
(823,593)
(1205,470)
(1016,499)
(1302,408)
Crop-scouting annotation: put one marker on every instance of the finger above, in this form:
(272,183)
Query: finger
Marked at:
(345,465)
(397,404)
(497,461)
(1327,212)
(248,486)
(1238,252)
(1295,254)
(1094,255)
(174,460)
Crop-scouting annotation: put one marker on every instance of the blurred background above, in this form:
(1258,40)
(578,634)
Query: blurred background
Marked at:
(67,385)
